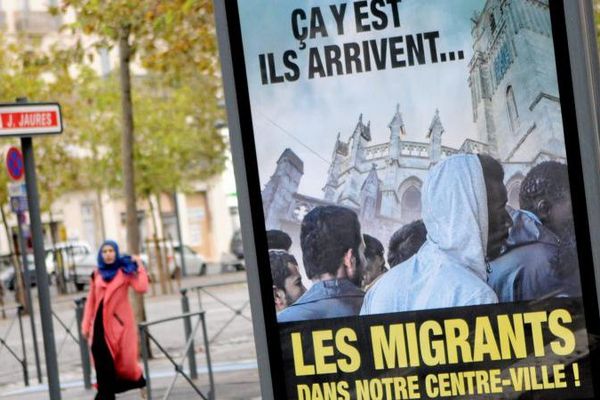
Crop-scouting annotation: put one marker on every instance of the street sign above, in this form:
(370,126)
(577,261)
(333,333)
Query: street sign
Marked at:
(14,164)
(17,189)
(30,119)
(18,204)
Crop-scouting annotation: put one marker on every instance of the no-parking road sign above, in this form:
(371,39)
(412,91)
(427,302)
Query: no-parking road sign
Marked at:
(14,164)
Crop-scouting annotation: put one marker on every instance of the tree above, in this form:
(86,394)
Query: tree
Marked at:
(117,23)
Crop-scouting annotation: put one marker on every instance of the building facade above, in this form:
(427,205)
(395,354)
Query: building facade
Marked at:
(516,108)
(208,213)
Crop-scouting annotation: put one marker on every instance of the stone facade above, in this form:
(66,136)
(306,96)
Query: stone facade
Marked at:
(516,108)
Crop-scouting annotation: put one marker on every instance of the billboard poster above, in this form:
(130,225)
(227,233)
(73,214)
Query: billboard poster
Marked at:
(416,183)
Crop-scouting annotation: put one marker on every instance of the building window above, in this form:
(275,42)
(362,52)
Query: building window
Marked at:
(502,62)
(410,204)
(513,112)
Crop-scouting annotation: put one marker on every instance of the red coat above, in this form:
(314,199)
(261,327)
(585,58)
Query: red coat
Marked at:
(120,329)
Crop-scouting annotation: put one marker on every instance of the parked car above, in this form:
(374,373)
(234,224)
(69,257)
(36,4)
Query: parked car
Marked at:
(9,277)
(194,263)
(235,258)
(78,258)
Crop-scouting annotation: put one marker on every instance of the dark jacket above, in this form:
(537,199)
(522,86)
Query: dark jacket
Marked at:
(531,268)
(325,299)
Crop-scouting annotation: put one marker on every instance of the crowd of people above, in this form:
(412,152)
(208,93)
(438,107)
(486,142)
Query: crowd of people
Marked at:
(469,248)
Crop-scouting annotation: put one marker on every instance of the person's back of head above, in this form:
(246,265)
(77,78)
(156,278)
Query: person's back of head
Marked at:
(373,247)
(405,242)
(329,235)
(545,192)
(278,240)
(375,260)
(499,220)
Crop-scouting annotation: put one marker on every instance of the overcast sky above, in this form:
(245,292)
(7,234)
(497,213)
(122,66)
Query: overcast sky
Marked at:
(314,111)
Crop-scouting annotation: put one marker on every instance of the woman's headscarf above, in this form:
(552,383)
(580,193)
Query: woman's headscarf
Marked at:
(108,271)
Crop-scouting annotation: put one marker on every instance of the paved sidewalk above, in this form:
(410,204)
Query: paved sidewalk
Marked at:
(233,385)
(232,345)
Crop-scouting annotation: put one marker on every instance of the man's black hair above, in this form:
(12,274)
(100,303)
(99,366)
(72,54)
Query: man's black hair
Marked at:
(326,234)
(278,240)
(373,247)
(546,181)
(279,260)
(492,169)
(405,242)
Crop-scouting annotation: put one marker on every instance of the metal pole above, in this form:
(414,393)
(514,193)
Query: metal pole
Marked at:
(83,348)
(24,360)
(211,395)
(187,327)
(179,236)
(40,270)
(36,352)
(144,342)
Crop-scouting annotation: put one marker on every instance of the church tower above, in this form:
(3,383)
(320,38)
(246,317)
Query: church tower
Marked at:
(512,77)
(278,192)
(397,133)
(434,134)
(358,142)
(368,196)
(389,195)
(340,151)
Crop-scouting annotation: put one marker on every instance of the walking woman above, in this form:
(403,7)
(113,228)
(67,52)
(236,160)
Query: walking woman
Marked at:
(109,324)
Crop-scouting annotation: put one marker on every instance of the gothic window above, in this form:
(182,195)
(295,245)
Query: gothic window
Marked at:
(410,205)
(502,62)
(511,105)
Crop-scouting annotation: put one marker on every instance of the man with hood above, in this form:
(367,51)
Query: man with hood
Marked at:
(541,260)
(463,201)
(333,255)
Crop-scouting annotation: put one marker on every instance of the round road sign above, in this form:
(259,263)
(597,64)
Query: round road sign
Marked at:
(14,163)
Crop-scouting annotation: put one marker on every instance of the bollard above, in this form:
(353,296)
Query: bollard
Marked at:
(211,380)
(83,348)
(187,326)
(144,342)
(20,311)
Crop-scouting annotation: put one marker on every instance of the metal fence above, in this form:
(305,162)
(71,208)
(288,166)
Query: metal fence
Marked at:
(188,351)
(12,352)
(237,310)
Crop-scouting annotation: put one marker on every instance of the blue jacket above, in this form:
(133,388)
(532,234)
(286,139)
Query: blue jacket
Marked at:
(530,269)
(325,299)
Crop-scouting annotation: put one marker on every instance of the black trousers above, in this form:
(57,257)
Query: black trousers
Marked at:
(106,375)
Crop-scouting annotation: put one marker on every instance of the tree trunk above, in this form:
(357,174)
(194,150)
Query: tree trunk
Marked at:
(162,276)
(168,249)
(127,141)
(101,213)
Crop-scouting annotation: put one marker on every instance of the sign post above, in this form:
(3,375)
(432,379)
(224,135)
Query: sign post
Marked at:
(18,202)
(25,120)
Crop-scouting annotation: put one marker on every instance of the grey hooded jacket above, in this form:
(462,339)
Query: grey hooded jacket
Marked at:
(450,269)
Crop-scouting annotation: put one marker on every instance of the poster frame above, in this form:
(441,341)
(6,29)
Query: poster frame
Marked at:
(574,37)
